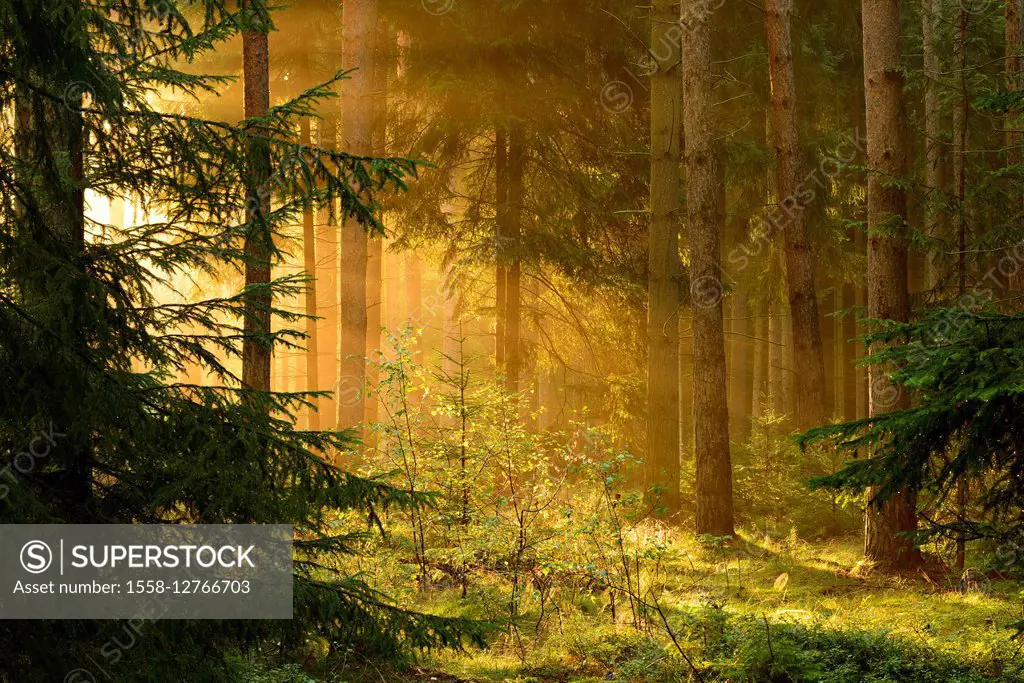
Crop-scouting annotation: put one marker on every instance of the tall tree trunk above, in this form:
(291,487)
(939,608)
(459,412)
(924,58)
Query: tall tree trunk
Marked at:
(414,314)
(392,288)
(931,15)
(328,234)
(309,266)
(803,301)
(960,149)
(500,236)
(887,253)
(860,294)
(257,347)
(1013,68)
(743,330)
(375,251)
(357,106)
(513,276)
(710,406)
(960,114)
(839,356)
(760,365)
(663,385)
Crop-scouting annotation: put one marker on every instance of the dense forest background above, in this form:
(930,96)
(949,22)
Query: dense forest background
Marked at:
(578,339)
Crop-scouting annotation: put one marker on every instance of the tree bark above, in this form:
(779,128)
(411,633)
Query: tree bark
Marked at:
(375,250)
(1013,68)
(309,265)
(710,406)
(776,360)
(803,301)
(500,236)
(357,106)
(328,235)
(934,182)
(257,346)
(961,112)
(887,254)
(513,276)
(663,385)
(741,343)
(759,374)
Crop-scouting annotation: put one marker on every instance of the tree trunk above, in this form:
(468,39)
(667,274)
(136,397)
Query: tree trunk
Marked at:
(759,374)
(710,406)
(960,149)
(309,265)
(741,343)
(934,181)
(1012,69)
(500,236)
(887,253)
(375,251)
(513,276)
(357,106)
(803,302)
(663,385)
(257,347)
(839,356)
(327,291)
(960,114)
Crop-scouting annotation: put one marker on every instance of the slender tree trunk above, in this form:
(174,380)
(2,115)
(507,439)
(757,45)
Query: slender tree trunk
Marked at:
(414,314)
(309,265)
(860,373)
(357,105)
(931,16)
(392,288)
(513,276)
(803,302)
(375,250)
(257,346)
(887,253)
(960,149)
(710,405)
(759,374)
(500,237)
(743,330)
(961,112)
(838,349)
(663,386)
(328,234)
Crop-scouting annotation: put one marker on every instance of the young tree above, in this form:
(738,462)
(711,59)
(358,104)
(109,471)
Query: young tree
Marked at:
(803,297)
(886,521)
(710,407)
(663,383)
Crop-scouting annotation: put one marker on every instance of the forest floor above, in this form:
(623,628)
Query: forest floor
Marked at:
(766,610)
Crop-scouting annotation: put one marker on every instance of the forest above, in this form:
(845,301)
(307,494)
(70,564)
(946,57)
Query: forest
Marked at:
(575,340)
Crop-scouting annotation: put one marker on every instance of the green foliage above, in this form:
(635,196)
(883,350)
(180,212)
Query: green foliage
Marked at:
(770,474)
(94,335)
(963,369)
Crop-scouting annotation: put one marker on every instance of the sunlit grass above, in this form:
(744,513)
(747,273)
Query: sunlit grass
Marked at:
(776,581)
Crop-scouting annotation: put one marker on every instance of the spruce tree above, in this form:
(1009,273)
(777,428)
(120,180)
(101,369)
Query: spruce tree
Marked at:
(89,350)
